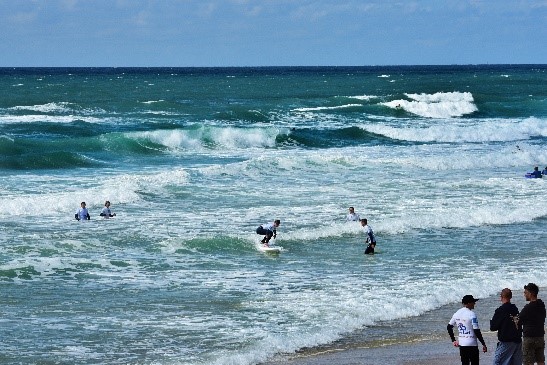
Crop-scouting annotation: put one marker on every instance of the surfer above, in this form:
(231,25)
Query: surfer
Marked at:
(82,213)
(352,216)
(544,172)
(536,173)
(268,230)
(370,248)
(370,240)
(106,212)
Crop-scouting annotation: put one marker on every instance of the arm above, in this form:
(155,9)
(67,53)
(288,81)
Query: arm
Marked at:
(450,329)
(495,322)
(481,340)
(76,216)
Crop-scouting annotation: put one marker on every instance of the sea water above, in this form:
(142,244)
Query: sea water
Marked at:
(193,160)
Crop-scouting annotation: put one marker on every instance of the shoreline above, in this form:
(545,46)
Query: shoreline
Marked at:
(427,351)
(418,340)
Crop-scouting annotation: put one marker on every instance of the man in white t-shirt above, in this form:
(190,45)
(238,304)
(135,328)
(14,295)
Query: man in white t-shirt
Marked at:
(468,332)
(106,212)
(352,216)
(82,213)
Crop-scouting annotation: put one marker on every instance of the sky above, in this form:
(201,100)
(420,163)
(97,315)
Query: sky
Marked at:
(213,33)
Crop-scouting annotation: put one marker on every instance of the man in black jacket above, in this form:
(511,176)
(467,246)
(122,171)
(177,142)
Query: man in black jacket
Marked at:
(532,319)
(505,321)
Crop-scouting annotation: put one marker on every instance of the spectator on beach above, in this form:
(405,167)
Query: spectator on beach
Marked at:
(268,230)
(468,332)
(505,321)
(106,212)
(369,234)
(352,216)
(82,213)
(532,319)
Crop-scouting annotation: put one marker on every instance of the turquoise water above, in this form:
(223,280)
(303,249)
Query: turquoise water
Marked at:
(193,160)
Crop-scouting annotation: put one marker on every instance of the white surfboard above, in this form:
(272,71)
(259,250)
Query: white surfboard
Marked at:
(269,249)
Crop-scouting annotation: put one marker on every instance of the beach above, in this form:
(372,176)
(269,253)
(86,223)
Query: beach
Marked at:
(423,348)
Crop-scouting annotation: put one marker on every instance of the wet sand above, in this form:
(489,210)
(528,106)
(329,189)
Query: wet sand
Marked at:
(424,352)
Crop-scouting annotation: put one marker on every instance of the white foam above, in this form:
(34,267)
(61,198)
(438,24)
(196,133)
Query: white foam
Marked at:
(62,107)
(325,108)
(61,119)
(211,137)
(49,201)
(464,130)
(153,101)
(364,97)
(438,105)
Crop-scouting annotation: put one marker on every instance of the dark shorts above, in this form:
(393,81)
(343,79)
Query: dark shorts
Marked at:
(533,350)
(264,232)
(469,355)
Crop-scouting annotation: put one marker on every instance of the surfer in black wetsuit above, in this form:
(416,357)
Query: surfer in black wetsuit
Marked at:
(370,239)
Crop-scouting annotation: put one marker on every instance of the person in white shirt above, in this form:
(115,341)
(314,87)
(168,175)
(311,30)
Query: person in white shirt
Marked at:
(369,233)
(106,212)
(82,213)
(352,216)
(268,230)
(468,332)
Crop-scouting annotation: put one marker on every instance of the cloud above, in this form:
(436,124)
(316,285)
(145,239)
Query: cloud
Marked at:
(23,18)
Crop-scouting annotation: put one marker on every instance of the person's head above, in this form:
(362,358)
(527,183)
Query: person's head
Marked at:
(107,203)
(536,168)
(277,222)
(364,222)
(468,301)
(531,291)
(506,295)
(82,204)
(351,210)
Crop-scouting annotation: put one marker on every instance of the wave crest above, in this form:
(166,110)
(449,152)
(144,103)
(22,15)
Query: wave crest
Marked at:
(438,105)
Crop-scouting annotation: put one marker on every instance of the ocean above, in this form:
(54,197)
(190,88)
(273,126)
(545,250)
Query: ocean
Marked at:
(193,160)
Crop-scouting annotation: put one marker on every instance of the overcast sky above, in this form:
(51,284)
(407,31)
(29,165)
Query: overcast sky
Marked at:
(271,32)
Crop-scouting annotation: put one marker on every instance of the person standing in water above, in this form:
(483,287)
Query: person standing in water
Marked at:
(106,212)
(370,239)
(352,216)
(82,213)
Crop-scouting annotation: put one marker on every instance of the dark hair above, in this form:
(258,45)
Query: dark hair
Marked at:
(364,220)
(532,288)
(277,221)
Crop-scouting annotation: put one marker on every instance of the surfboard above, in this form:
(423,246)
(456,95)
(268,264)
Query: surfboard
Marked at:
(269,249)
(530,176)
